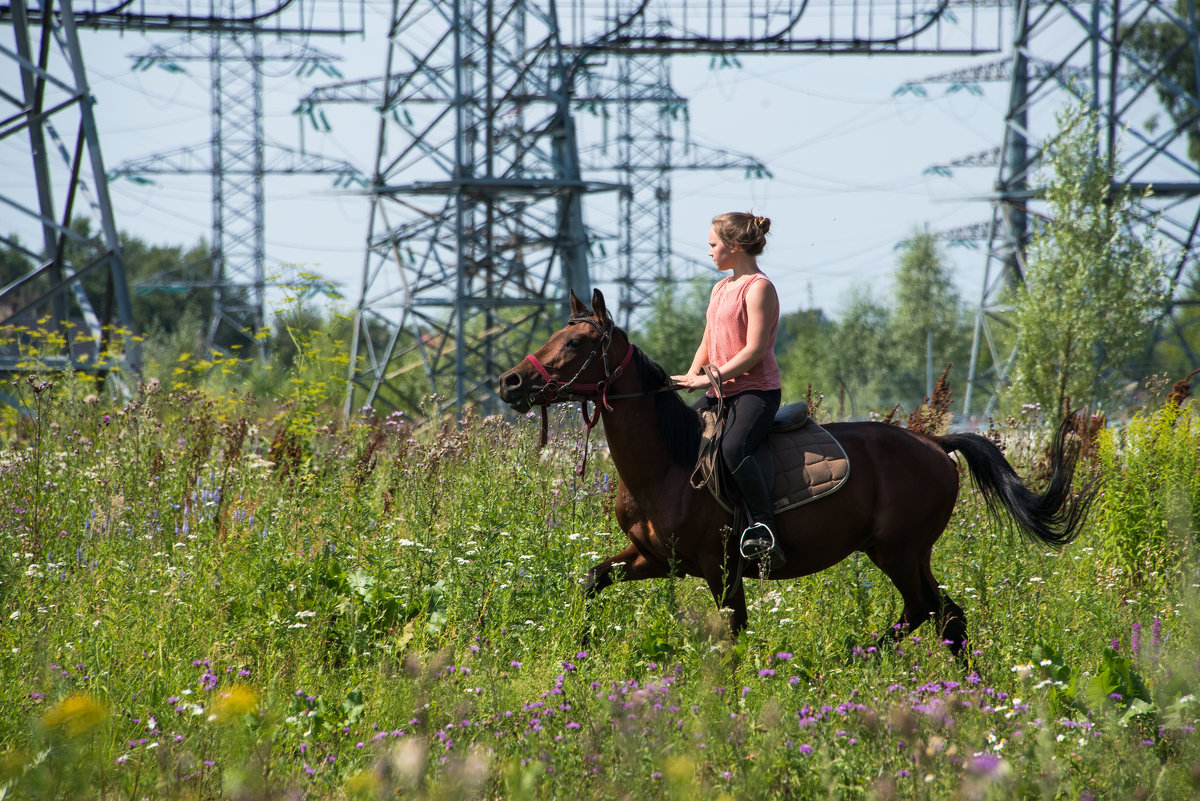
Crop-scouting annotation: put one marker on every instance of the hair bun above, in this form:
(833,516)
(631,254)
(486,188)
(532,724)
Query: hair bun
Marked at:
(764,223)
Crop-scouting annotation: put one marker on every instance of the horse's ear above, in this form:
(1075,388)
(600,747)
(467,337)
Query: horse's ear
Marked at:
(577,307)
(598,306)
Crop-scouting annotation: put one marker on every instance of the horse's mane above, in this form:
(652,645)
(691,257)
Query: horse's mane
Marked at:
(679,423)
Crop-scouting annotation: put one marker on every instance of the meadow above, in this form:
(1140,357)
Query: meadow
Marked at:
(202,597)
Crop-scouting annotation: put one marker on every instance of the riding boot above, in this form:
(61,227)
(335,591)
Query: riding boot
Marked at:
(758,540)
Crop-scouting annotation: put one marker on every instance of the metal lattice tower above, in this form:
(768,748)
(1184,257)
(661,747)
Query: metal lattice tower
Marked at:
(48,114)
(1067,51)
(647,150)
(238,157)
(476,228)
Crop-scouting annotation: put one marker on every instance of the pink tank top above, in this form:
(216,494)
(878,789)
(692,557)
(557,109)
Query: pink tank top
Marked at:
(727,324)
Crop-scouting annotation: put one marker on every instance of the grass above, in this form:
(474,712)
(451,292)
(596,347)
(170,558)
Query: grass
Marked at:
(199,602)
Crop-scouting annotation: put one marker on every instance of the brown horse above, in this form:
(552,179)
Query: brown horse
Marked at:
(895,504)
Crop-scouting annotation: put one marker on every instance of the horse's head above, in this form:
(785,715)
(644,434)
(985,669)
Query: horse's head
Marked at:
(575,363)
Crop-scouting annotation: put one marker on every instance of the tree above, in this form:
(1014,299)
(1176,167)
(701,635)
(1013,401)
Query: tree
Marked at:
(676,323)
(805,358)
(861,354)
(1167,47)
(929,325)
(1092,288)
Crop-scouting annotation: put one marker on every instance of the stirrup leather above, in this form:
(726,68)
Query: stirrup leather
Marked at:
(757,541)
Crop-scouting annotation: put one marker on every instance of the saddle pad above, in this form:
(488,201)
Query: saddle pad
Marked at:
(809,463)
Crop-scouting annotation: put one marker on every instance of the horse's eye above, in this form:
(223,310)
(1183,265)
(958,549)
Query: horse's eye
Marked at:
(573,342)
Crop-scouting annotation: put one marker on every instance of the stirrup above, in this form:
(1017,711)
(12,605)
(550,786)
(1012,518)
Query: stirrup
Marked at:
(757,541)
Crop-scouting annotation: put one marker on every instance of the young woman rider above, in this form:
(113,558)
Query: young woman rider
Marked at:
(739,341)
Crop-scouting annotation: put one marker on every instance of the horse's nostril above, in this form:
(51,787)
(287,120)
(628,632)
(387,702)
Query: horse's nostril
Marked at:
(511,380)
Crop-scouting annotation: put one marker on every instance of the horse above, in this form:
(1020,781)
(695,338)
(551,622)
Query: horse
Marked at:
(893,506)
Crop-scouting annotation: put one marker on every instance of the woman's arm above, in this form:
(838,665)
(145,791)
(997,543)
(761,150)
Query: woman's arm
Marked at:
(693,379)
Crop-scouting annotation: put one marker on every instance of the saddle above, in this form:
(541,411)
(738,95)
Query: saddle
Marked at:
(801,460)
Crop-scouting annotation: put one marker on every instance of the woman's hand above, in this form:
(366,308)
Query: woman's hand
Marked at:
(691,381)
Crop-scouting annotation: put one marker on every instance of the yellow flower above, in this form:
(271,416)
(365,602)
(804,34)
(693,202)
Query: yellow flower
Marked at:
(235,702)
(75,714)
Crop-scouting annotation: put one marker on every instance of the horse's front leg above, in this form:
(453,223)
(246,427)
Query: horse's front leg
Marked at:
(634,566)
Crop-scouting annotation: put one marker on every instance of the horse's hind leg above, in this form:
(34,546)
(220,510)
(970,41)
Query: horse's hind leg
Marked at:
(911,575)
(923,598)
(951,619)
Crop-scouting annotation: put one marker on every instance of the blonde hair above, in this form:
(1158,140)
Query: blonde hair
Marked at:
(747,231)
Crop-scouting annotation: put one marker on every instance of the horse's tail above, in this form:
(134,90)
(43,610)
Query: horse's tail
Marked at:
(1053,517)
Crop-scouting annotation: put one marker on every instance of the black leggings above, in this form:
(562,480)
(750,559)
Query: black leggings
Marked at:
(749,416)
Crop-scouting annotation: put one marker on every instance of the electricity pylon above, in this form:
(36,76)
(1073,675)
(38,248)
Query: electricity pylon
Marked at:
(238,157)
(48,115)
(476,229)
(1070,52)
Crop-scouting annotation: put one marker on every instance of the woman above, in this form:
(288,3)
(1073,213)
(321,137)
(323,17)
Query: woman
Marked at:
(739,341)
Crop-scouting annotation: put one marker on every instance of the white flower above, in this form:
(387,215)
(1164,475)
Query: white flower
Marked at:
(305,613)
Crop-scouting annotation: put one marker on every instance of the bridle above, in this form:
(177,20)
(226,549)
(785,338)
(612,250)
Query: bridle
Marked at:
(554,390)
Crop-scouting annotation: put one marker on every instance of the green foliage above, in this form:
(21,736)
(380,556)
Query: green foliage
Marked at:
(398,614)
(862,341)
(804,355)
(676,324)
(929,325)
(1091,289)
(1149,508)
(875,356)
(1165,46)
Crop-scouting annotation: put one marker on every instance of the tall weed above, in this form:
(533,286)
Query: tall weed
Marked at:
(1149,509)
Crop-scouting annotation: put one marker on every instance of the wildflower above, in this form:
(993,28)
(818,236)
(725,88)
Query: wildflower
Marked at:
(237,701)
(805,748)
(75,714)
(766,673)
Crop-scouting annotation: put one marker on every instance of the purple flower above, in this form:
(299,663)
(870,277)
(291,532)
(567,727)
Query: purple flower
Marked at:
(805,748)
(985,764)
(515,665)
(783,656)
(1135,639)
(766,673)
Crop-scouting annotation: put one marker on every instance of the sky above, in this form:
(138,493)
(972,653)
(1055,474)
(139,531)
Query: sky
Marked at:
(848,156)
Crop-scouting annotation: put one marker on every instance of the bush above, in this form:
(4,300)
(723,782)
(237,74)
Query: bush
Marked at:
(1149,509)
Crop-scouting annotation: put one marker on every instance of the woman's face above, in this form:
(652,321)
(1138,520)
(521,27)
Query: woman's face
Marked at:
(718,251)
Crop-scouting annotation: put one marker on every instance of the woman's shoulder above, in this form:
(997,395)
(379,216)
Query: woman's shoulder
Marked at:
(760,282)
(761,292)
